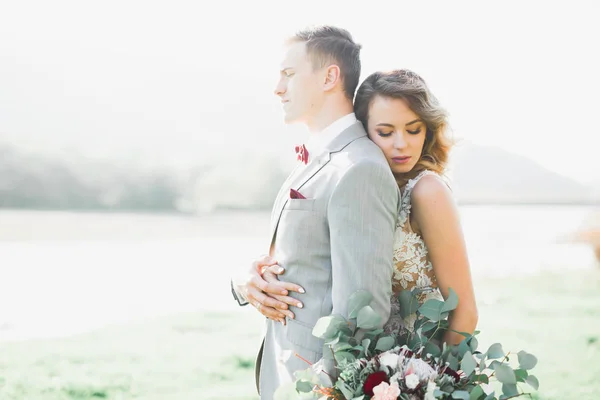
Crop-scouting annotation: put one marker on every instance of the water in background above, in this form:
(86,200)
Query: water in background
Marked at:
(64,272)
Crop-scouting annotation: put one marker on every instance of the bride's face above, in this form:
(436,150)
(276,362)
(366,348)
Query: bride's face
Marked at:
(398,131)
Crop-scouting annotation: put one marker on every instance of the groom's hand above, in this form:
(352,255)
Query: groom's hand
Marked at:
(266,293)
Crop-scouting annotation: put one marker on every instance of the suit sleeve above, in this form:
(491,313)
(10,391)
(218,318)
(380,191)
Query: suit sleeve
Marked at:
(362,214)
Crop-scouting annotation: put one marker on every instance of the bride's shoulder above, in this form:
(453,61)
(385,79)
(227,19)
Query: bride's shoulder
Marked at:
(431,189)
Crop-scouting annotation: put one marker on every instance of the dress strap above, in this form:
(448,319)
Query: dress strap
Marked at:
(405,203)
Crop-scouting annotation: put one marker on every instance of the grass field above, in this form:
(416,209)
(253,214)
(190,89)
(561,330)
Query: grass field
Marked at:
(211,355)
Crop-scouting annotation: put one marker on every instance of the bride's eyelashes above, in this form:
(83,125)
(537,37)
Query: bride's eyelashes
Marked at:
(388,134)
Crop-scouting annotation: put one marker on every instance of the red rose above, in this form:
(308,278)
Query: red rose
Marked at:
(373,380)
(453,374)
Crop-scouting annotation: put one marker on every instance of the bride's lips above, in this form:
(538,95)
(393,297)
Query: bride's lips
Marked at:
(401,160)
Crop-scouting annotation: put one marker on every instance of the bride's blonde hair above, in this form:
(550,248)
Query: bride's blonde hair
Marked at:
(407,85)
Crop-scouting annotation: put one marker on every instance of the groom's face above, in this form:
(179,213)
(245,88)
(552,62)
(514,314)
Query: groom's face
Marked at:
(300,87)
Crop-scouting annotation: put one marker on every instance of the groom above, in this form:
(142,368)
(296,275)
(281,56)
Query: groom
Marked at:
(332,223)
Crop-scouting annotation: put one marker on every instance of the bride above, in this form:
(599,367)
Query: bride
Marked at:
(405,120)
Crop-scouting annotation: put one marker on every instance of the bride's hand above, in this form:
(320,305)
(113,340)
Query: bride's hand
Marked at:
(270,275)
(267,294)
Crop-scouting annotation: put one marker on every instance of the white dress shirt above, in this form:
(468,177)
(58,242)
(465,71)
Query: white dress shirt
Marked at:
(319,140)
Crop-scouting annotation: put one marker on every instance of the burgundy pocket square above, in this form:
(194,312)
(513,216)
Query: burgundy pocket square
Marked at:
(294,194)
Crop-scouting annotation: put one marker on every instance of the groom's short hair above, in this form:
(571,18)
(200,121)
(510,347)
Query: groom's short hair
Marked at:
(329,44)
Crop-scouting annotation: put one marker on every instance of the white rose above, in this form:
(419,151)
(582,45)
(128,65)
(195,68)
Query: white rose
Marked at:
(423,370)
(389,360)
(412,381)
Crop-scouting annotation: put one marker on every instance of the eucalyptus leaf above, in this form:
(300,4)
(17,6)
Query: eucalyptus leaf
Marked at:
(345,330)
(367,318)
(451,302)
(533,382)
(307,374)
(473,344)
(505,374)
(468,363)
(327,327)
(373,333)
(414,342)
(461,394)
(495,351)
(432,309)
(409,304)
(521,374)
(494,364)
(452,361)
(481,357)
(491,396)
(509,390)
(304,386)
(476,393)
(526,360)
(344,355)
(358,348)
(334,341)
(344,388)
(433,349)
(327,353)
(358,300)
(385,343)
(366,343)
(427,326)
(463,347)
(342,347)
(467,335)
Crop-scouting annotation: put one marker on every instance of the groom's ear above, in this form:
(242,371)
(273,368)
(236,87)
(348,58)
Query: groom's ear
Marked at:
(332,77)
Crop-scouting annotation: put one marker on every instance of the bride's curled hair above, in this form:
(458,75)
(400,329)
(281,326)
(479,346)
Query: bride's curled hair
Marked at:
(407,85)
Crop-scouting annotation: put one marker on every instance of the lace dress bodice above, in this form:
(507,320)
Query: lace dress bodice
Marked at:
(412,267)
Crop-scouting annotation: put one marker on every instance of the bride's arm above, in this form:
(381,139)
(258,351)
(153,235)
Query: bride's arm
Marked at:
(435,217)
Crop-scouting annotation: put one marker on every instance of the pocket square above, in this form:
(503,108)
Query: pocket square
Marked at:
(294,194)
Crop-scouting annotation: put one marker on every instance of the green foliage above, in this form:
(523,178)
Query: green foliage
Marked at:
(358,347)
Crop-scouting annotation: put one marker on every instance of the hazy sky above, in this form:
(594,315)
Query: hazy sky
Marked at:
(151,80)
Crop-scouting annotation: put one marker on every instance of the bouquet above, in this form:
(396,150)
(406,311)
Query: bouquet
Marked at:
(408,365)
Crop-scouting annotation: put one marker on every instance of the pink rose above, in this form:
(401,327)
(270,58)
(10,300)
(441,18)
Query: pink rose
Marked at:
(384,391)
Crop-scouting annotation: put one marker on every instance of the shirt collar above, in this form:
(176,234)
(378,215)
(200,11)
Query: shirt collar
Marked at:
(317,141)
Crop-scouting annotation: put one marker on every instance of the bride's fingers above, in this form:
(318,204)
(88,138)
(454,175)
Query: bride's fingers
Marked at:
(273,288)
(266,300)
(263,262)
(265,310)
(270,313)
(268,276)
(273,269)
(292,302)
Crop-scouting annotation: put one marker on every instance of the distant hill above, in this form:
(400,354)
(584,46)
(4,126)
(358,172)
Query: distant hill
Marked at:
(479,175)
(35,182)
(482,174)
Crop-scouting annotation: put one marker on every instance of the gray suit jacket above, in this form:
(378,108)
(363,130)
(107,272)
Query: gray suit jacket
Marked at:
(336,241)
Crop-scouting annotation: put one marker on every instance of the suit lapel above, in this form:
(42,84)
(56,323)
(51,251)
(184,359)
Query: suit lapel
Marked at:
(347,136)
(280,200)
(296,181)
